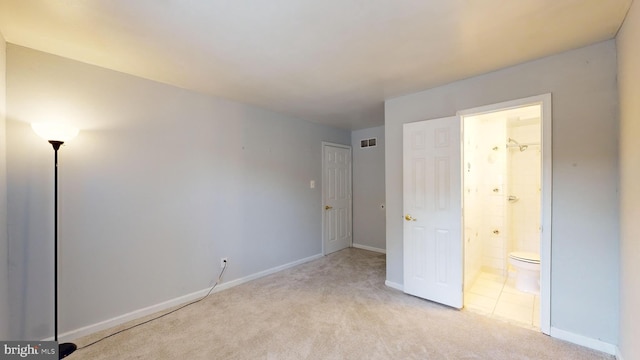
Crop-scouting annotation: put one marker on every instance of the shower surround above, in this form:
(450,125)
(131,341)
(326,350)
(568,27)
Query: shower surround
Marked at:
(501,192)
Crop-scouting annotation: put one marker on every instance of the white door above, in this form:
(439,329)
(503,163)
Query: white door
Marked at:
(433,257)
(336,190)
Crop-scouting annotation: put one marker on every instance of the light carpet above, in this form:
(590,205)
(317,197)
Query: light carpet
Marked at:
(336,307)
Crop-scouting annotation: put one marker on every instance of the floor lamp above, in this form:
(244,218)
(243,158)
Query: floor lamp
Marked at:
(56,135)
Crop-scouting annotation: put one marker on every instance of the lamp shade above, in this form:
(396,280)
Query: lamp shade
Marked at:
(55,132)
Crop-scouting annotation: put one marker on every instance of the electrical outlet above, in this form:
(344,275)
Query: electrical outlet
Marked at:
(224,261)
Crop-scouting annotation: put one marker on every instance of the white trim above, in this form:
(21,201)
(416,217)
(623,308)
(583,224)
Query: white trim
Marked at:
(394,285)
(546,208)
(136,314)
(618,354)
(336,145)
(547,191)
(264,273)
(584,341)
(370,248)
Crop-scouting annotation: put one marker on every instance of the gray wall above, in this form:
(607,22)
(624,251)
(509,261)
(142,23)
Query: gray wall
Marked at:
(4,259)
(629,87)
(368,190)
(159,185)
(584,268)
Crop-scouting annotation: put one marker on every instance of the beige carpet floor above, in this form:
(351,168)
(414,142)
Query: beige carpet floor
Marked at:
(336,307)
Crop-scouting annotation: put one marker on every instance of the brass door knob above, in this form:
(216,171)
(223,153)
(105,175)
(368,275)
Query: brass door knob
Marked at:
(327,207)
(409,218)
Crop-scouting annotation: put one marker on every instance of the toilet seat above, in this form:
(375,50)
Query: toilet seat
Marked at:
(524,256)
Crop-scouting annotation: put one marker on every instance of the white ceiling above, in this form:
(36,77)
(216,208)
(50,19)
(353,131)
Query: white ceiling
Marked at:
(327,61)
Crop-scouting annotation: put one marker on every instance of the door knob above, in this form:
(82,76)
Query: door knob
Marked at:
(327,207)
(409,218)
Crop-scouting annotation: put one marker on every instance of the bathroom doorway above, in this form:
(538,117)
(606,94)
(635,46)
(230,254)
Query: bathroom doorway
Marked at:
(506,186)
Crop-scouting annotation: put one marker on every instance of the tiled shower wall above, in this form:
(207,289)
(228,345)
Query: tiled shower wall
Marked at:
(484,186)
(524,182)
(494,226)
(493,172)
(472,204)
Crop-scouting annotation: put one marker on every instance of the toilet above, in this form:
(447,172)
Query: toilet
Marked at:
(527,265)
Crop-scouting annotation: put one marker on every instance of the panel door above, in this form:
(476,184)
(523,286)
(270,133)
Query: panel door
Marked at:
(337,198)
(433,254)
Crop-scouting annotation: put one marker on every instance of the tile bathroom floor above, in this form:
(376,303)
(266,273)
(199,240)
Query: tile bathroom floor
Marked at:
(496,296)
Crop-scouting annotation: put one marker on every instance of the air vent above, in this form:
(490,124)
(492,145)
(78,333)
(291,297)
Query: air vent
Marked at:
(367,143)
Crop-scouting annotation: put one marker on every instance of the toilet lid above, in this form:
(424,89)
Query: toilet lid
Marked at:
(525,256)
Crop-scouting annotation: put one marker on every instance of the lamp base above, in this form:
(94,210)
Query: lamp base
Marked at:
(65,349)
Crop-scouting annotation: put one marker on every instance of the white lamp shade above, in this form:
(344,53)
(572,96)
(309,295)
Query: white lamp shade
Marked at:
(56,132)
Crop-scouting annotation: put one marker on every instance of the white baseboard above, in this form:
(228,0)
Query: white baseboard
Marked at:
(584,341)
(559,334)
(370,248)
(264,273)
(109,323)
(394,285)
(136,314)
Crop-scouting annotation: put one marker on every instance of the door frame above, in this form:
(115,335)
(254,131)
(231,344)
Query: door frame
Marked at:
(348,147)
(544,101)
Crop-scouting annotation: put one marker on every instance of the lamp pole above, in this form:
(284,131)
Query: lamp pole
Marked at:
(56,135)
(64,349)
(56,146)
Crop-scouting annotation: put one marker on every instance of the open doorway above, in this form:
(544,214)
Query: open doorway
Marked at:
(506,211)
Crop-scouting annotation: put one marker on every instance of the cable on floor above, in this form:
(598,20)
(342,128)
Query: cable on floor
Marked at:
(160,316)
